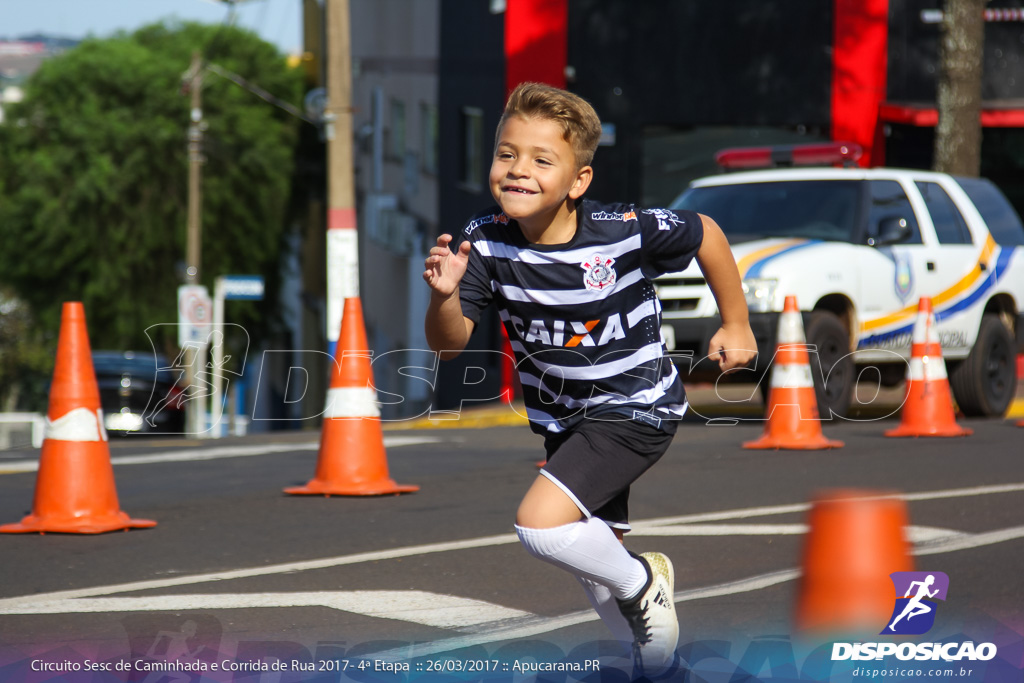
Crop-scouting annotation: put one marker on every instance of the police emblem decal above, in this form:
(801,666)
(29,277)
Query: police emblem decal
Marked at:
(598,272)
(904,282)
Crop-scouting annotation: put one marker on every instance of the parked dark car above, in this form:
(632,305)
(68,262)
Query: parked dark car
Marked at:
(137,395)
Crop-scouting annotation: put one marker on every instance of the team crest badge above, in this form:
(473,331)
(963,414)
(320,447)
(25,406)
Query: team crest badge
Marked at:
(598,272)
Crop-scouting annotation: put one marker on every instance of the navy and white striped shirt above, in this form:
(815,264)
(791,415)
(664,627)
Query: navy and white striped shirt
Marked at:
(583,318)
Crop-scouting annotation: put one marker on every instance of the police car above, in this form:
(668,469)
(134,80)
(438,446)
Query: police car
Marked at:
(859,248)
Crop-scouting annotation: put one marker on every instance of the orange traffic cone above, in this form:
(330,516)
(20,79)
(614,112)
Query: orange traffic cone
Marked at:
(855,541)
(928,403)
(793,420)
(75,490)
(352,460)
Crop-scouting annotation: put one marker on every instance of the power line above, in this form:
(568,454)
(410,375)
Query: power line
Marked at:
(258,91)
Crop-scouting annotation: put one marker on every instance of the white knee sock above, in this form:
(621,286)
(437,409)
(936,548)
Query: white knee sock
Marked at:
(589,549)
(604,604)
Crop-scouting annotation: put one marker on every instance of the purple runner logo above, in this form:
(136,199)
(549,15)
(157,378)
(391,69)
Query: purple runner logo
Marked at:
(919,590)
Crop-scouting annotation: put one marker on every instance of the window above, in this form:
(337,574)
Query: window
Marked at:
(396,146)
(472,148)
(1003,221)
(429,137)
(809,209)
(888,201)
(950,226)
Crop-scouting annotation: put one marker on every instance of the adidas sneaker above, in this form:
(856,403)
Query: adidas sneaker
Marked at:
(652,616)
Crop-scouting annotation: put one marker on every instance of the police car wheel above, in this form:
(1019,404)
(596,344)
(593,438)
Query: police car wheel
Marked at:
(984,383)
(834,379)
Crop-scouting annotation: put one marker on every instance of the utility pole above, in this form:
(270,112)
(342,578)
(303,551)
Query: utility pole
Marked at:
(958,133)
(194,246)
(195,358)
(342,242)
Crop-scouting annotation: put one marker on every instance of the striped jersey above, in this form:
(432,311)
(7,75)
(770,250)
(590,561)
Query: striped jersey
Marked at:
(583,317)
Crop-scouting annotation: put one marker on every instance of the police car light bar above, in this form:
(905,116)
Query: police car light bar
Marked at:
(822,154)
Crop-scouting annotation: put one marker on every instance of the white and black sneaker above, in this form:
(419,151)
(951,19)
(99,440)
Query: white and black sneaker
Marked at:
(652,616)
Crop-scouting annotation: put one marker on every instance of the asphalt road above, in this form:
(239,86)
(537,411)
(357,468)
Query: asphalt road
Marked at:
(436,579)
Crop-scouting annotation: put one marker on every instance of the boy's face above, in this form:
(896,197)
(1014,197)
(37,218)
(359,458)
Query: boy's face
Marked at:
(534,171)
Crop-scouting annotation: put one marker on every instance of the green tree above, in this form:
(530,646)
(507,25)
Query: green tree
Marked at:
(26,357)
(93,177)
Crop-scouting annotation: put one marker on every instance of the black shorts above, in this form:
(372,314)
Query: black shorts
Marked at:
(596,462)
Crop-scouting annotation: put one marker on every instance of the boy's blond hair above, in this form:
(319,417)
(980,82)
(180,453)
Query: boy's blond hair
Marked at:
(581,127)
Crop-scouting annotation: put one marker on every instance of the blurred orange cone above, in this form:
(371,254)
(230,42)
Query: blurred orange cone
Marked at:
(793,420)
(854,542)
(75,491)
(928,403)
(352,459)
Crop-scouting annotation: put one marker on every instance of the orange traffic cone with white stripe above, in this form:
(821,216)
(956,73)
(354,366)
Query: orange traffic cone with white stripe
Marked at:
(928,403)
(855,540)
(793,419)
(352,460)
(75,490)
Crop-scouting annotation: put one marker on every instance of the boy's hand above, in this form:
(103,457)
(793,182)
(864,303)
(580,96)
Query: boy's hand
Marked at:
(445,268)
(733,346)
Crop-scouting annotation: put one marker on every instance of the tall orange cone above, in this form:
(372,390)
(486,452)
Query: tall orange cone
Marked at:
(856,539)
(75,491)
(793,420)
(928,403)
(352,461)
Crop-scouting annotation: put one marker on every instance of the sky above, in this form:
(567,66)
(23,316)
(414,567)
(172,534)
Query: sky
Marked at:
(276,21)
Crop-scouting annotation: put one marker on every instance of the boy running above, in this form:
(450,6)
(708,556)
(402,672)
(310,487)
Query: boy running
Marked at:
(572,280)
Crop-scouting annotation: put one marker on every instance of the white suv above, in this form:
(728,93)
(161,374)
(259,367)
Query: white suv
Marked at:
(858,248)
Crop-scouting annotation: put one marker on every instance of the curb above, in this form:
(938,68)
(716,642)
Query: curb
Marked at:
(504,415)
(1016,409)
(514,415)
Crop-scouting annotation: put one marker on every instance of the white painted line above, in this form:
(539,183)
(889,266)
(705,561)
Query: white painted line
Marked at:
(536,625)
(419,607)
(963,493)
(729,514)
(375,556)
(540,625)
(927,534)
(915,534)
(193,455)
(803,507)
(968,541)
(719,530)
(934,541)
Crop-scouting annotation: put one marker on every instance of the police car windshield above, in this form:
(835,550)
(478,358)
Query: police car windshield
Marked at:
(809,209)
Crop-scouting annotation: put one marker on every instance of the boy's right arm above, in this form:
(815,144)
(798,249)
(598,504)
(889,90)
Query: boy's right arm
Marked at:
(447,329)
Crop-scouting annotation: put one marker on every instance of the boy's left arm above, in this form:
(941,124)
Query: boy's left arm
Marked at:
(733,346)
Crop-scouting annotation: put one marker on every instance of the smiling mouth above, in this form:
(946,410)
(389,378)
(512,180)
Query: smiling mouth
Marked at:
(518,190)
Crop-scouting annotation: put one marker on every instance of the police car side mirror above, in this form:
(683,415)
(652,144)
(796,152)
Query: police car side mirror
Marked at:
(891,230)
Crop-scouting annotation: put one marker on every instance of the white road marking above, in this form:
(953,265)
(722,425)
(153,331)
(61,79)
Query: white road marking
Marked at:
(192,455)
(968,541)
(915,534)
(931,541)
(419,607)
(764,511)
(718,530)
(535,626)
(286,568)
